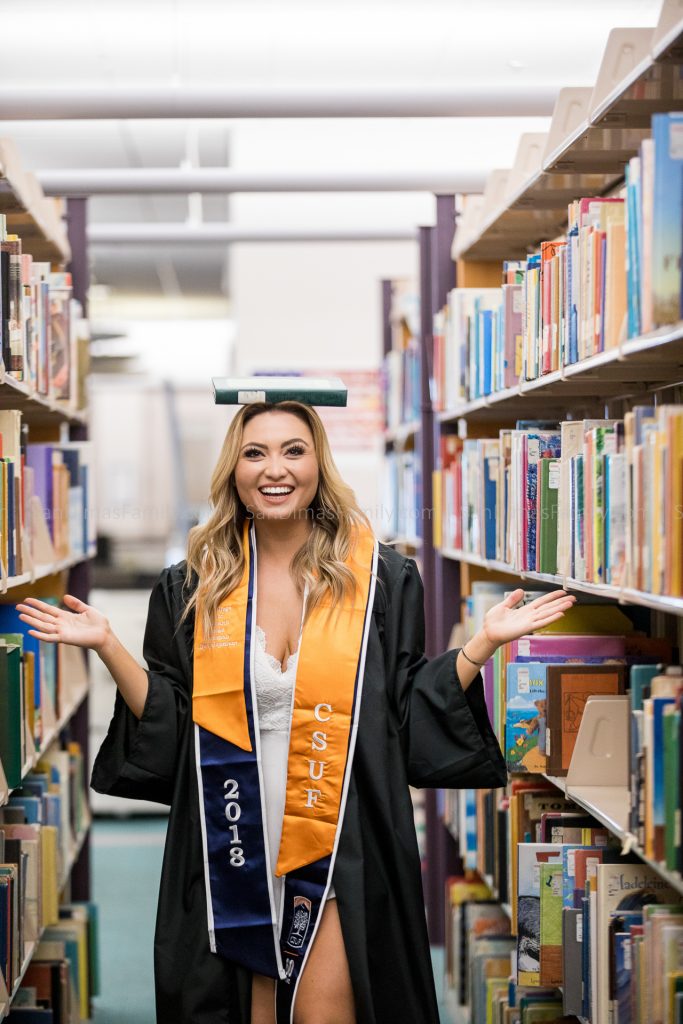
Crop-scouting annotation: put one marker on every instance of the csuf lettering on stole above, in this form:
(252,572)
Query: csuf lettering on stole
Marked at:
(316,768)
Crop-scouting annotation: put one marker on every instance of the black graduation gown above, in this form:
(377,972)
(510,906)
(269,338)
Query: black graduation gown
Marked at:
(417,727)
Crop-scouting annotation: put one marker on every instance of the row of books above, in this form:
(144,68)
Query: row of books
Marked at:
(61,477)
(63,973)
(38,683)
(536,689)
(545,701)
(592,934)
(41,324)
(590,499)
(39,829)
(30,205)
(64,480)
(540,851)
(401,502)
(45,496)
(616,274)
(400,373)
(400,379)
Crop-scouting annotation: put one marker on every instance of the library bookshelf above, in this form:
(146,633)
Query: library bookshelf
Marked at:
(53,233)
(594,133)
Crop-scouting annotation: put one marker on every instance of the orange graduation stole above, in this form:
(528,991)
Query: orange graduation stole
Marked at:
(243,923)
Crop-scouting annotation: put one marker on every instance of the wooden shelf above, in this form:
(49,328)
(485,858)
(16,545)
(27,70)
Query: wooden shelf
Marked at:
(30,214)
(609,806)
(398,436)
(35,408)
(592,135)
(48,569)
(648,361)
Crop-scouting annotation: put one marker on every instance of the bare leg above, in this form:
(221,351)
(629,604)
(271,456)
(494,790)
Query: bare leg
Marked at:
(262,1000)
(325,995)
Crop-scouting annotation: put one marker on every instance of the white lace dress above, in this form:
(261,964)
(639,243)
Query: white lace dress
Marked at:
(274,698)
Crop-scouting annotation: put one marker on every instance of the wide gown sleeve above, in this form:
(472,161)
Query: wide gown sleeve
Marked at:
(138,757)
(445,731)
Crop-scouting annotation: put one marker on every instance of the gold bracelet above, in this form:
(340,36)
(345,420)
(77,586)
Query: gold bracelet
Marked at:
(480,664)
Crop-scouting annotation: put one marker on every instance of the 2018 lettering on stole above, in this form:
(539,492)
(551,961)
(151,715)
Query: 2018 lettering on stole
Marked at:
(233,812)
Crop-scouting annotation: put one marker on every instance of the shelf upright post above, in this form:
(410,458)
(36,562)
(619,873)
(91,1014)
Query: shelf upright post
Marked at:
(446,571)
(436,278)
(80,574)
(77,227)
(426,438)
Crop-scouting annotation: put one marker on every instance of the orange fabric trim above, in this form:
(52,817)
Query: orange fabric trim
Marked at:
(329,655)
(323,707)
(218,686)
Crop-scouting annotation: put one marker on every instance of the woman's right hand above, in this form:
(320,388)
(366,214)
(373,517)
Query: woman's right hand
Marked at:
(82,626)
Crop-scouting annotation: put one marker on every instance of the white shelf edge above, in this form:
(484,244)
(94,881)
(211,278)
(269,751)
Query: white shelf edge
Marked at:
(498,212)
(51,404)
(47,569)
(595,115)
(655,339)
(399,434)
(624,595)
(667,39)
(572,138)
(628,840)
(51,736)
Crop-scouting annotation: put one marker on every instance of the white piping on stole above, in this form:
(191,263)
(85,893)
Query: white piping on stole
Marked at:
(257,741)
(349,764)
(207,878)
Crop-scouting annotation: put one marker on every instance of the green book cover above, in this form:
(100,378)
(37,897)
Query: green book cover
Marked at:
(542,1012)
(11,714)
(551,887)
(605,441)
(640,677)
(311,390)
(579,558)
(93,930)
(549,491)
(671,724)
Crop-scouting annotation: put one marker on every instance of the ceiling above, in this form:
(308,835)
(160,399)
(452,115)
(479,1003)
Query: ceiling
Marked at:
(269,43)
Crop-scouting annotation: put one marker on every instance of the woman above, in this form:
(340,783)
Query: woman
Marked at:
(339,935)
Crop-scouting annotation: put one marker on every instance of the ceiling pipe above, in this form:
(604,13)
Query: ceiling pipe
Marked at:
(176,181)
(75,102)
(225,234)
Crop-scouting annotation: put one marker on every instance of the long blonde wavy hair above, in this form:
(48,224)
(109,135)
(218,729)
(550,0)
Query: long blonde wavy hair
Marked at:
(214,548)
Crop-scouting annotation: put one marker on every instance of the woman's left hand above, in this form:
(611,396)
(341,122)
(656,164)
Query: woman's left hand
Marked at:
(504,622)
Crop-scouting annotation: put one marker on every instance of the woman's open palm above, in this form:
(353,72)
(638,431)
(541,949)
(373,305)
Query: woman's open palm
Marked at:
(82,625)
(504,622)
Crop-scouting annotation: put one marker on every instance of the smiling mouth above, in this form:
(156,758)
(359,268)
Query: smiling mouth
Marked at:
(275,492)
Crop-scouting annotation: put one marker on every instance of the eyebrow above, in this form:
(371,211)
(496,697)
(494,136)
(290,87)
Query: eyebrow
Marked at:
(259,444)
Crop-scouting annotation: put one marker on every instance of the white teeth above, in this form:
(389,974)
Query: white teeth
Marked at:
(276,490)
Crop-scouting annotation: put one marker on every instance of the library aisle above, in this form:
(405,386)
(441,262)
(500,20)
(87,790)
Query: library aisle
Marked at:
(299,295)
(126,994)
